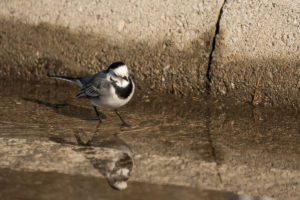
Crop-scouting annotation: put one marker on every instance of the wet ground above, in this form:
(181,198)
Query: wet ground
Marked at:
(176,148)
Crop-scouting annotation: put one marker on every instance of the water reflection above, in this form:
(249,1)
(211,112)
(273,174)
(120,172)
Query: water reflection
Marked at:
(175,141)
(110,155)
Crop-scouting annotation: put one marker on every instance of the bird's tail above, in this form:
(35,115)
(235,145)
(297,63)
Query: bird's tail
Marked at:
(77,81)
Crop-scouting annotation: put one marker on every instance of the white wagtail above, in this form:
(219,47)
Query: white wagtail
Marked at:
(111,88)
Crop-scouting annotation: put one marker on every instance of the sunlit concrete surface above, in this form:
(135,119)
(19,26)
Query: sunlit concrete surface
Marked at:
(258,44)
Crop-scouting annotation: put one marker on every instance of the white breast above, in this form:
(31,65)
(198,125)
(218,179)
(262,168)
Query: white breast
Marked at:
(112,101)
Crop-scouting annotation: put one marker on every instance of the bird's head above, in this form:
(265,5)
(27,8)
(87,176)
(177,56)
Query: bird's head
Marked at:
(118,69)
(119,73)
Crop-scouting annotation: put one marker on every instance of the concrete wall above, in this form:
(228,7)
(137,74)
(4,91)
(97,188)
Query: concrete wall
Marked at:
(258,40)
(221,47)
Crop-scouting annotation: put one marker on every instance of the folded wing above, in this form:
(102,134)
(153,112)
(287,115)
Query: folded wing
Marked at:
(97,86)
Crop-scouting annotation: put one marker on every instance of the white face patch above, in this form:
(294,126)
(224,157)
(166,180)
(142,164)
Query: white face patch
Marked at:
(121,71)
(119,81)
(123,83)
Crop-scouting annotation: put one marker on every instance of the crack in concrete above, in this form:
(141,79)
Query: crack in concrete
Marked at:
(208,89)
(208,76)
(213,149)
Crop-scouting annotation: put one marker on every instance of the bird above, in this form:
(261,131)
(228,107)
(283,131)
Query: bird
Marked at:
(110,88)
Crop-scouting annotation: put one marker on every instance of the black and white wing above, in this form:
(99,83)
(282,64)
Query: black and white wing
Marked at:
(97,86)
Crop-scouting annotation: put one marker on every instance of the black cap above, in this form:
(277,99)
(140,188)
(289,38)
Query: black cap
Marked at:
(116,65)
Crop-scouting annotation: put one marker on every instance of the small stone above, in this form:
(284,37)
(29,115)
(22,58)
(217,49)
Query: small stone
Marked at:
(295,22)
(121,26)
(166,68)
(232,85)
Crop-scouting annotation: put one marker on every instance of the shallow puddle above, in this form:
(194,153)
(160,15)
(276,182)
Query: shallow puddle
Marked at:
(38,185)
(176,148)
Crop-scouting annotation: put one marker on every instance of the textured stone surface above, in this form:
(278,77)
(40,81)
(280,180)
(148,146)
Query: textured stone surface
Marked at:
(258,40)
(122,20)
(162,41)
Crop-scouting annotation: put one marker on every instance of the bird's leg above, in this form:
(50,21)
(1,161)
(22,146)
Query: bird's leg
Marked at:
(97,113)
(124,123)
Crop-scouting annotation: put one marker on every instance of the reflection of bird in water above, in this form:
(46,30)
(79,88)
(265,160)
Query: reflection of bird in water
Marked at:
(110,155)
(117,169)
(117,172)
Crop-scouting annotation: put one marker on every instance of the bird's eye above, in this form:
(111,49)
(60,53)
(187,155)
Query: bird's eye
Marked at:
(125,78)
(112,80)
(112,73)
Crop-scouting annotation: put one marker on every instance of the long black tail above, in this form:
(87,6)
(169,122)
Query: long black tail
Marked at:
(77,81)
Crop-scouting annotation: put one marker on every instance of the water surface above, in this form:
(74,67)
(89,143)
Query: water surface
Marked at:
(176,147)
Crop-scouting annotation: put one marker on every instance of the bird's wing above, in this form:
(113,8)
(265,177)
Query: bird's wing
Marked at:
(87,79)
(96,86)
